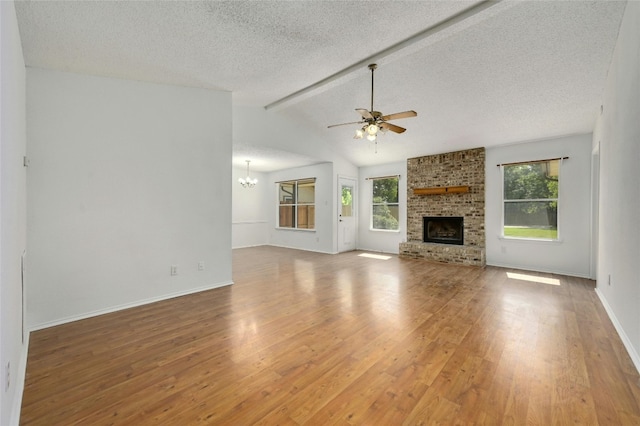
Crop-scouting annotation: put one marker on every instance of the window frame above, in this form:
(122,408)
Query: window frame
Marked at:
(374,204)
(504,202)
(296,205)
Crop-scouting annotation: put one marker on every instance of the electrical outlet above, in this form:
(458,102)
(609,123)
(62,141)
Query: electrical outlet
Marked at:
(7,375)
(174,269)
(201,266)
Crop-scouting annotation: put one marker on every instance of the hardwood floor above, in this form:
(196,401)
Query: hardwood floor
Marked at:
(308,338)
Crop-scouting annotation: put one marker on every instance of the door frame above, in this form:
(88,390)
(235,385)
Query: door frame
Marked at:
(595,211)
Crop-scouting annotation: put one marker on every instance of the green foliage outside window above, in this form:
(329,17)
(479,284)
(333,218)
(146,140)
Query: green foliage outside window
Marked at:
(385,207)
(347,199)
(531,200)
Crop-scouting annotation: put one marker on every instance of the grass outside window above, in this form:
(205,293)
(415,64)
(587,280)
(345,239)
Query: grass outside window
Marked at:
(529,232)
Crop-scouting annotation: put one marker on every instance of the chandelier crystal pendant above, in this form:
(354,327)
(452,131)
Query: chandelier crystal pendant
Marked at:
(248,182)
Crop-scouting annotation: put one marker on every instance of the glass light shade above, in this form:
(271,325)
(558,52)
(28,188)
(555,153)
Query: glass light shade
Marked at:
(372,129)
(248,182)
(359,134)
(371,137)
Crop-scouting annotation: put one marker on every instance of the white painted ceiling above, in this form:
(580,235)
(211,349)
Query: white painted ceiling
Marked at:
(477,73)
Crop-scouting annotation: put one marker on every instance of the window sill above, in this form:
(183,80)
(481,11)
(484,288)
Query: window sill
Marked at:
(531,240)
(295,229)
(392,231)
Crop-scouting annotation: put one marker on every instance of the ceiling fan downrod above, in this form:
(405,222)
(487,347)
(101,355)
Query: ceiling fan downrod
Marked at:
(372,67)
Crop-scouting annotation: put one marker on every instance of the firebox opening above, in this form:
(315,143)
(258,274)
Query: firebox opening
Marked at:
(443,230)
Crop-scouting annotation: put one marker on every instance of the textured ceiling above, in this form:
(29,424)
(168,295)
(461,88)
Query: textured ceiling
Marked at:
(500,73)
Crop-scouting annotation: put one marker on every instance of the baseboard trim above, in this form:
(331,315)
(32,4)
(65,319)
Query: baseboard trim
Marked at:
(248,246)
(623,336)
(396,253)
(301,249)
(544,270)
(126,306)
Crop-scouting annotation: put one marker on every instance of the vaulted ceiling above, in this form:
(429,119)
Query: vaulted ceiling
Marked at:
(478,73)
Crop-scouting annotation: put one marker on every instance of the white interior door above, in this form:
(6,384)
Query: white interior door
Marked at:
(346,214)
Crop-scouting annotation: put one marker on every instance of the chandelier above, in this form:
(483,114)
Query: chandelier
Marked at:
(248,182)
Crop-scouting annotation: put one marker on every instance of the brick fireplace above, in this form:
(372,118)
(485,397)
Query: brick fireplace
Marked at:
(446,186)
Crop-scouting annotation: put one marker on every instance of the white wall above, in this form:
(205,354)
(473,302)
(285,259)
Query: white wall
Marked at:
(126,179)
(618,133)
(12,212)
(570,256)
(275,130)
(385,241)
(250,207)
(255,126)
(323,237)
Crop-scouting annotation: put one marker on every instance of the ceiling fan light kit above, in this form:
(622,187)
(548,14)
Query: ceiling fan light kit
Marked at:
(373,121)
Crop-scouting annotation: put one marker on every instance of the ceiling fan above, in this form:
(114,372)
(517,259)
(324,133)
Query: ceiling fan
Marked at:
(373,121)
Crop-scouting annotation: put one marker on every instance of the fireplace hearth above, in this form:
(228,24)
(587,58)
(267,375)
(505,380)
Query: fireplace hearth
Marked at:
(443,230)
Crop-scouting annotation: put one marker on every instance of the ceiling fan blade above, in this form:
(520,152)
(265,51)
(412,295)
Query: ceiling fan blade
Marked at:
(398,115)
(392,127)
(365,113)
(344,124)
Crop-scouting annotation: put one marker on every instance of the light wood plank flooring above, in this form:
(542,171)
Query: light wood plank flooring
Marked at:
(308,338)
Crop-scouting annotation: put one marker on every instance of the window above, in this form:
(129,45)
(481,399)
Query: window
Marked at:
(385,210)
(531,200)
(296,204)
(347,201)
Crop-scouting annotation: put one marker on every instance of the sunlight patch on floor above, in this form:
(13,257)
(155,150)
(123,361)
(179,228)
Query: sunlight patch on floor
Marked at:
(375,256)
(533,278)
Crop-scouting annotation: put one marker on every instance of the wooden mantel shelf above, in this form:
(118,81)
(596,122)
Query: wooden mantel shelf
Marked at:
(441,190)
